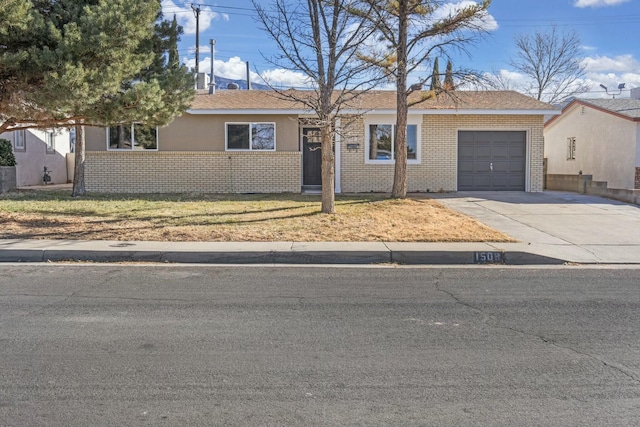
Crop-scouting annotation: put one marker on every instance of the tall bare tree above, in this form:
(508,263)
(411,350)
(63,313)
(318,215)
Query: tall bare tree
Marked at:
(552,60)
(320,40)
(410,32)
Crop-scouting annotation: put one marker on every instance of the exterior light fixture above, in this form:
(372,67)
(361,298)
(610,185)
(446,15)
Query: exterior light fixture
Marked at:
(620,88)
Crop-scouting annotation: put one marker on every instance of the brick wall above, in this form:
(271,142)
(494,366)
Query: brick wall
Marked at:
(438,168)
(199,172)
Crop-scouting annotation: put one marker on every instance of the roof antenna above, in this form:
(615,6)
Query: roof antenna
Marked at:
(248,77)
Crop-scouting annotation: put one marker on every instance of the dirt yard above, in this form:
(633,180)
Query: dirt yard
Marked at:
(29,214)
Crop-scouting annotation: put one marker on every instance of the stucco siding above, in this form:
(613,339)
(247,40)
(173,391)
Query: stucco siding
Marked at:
(606,146)
(638,145)
(31,161)
(199,172)
(437,170)
(194,132)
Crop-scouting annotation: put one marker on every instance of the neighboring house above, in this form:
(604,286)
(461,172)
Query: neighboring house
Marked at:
(599,138)
(254,142)
(36,149)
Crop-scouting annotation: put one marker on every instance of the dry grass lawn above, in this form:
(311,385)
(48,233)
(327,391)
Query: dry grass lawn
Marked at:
(32,214)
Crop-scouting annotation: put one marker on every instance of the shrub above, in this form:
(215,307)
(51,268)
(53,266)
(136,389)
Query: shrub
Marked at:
(6,153)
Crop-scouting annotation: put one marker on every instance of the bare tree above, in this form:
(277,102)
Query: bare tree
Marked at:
(410,32)
(496,80)
(320,40)
(553,62)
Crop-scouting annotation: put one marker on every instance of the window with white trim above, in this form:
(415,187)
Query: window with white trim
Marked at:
(49,141)
(571,148)
(250,136)
(380,146)
(19,140)
(132,137)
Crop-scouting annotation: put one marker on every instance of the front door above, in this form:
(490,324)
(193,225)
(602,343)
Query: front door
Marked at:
(311,157)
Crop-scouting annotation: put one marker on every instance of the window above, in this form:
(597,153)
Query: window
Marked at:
(571,148)
(19,140)
(132,137)
(380,143)
(49,142)
(251,136)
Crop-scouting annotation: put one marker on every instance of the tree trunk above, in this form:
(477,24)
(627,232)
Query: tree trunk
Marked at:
(78,172)
(328,168)
(400,143)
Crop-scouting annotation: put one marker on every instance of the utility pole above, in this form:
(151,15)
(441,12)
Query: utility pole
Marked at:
(196,11)
(212,81)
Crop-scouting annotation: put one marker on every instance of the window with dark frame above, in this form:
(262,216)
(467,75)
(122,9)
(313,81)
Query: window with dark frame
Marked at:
(251,136)
(132,137)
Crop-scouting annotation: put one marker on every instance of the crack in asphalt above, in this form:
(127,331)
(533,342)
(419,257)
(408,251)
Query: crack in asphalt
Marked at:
(493,322)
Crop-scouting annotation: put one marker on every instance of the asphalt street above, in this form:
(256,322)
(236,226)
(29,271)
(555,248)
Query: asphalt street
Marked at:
(108,345)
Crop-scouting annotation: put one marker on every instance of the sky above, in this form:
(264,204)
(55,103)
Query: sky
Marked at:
(608,31)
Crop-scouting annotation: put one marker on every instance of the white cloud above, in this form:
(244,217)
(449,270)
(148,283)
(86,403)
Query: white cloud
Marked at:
(598,3)
(618,64)
(282,78)
(236,69)
(187,18)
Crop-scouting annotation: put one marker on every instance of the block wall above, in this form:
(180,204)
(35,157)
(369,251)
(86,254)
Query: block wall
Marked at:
(438,168)
(199,172)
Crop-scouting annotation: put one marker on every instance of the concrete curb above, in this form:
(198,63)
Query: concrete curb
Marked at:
(273,253)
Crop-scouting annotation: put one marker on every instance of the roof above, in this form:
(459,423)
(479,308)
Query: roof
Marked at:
(458,102)
(626,108)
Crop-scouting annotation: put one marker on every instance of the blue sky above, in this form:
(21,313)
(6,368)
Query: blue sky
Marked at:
(608,30)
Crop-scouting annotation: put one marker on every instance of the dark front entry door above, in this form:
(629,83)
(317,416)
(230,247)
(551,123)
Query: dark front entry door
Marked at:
(311,157)
(491,161)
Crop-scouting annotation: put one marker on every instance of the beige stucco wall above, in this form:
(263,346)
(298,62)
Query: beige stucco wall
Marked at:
(193,171)
(437,170)
(606,146)
(194,132)
(32,160)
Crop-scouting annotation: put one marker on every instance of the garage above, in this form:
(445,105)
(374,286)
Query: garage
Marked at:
(492,160)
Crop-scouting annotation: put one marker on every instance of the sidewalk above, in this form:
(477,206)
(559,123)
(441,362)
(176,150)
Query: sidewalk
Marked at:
(553,228)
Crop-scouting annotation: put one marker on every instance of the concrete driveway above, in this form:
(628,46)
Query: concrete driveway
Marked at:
(568,226)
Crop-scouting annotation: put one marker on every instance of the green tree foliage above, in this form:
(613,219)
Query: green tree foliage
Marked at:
(89,62)
(436,84)
(449,84)
(409,33)
(6,153)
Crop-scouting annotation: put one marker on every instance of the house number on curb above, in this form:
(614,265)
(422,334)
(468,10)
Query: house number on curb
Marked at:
(488,258)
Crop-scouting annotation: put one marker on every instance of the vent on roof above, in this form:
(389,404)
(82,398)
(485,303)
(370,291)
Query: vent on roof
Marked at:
(635,93)
(233,86)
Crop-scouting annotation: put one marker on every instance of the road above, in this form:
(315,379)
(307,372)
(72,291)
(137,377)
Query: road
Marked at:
(107,345)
